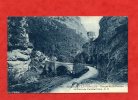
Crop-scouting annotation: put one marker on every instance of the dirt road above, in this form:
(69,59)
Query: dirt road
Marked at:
(66,87)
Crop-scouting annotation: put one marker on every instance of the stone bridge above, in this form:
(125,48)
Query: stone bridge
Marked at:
(60,68)
(68,66)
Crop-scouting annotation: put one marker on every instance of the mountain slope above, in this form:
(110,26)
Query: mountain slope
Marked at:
(32,39)
(109,52)
(62,37)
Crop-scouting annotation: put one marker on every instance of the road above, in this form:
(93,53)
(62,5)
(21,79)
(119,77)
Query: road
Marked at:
(66,87)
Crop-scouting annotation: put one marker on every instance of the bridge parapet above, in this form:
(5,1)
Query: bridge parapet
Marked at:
(69,66)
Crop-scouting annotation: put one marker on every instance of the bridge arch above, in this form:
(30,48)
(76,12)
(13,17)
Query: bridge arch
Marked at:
(62,70)
(66,67)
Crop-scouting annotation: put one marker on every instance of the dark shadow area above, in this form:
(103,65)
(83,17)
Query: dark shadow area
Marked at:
(62,70)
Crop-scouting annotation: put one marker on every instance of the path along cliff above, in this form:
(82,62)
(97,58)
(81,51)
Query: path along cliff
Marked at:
(66,87)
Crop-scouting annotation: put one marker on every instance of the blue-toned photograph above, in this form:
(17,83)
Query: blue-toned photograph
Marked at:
(67,54)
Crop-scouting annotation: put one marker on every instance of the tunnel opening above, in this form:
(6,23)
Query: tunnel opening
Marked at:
(62,70)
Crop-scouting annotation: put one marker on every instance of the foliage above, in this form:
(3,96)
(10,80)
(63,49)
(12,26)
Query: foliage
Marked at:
(110,50)
(17,33)
(52,37)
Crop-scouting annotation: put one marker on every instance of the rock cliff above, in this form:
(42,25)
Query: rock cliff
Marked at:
(19,49)
(61,37)
(109,52)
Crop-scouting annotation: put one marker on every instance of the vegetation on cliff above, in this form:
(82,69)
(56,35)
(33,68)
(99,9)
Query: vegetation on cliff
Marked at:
(109,52)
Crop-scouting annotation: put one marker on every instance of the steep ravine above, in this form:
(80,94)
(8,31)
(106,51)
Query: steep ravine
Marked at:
(33,39)
(109,52)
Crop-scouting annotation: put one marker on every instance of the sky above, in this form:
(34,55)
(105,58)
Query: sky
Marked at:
(91,23)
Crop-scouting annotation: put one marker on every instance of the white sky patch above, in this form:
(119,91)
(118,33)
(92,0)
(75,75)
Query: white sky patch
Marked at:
(91,23)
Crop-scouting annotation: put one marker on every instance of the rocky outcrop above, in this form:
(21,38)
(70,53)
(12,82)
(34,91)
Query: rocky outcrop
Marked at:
(109,52)
(72,23)
(91,35)
(19,49)
(17,33)
(30,39)
(57,36)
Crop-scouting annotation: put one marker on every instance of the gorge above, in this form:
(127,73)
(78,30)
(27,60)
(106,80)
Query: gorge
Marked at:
(33,41)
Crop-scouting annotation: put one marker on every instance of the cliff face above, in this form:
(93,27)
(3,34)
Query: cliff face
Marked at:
(19,48)
(109,52)
(73,23)
(61,37)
